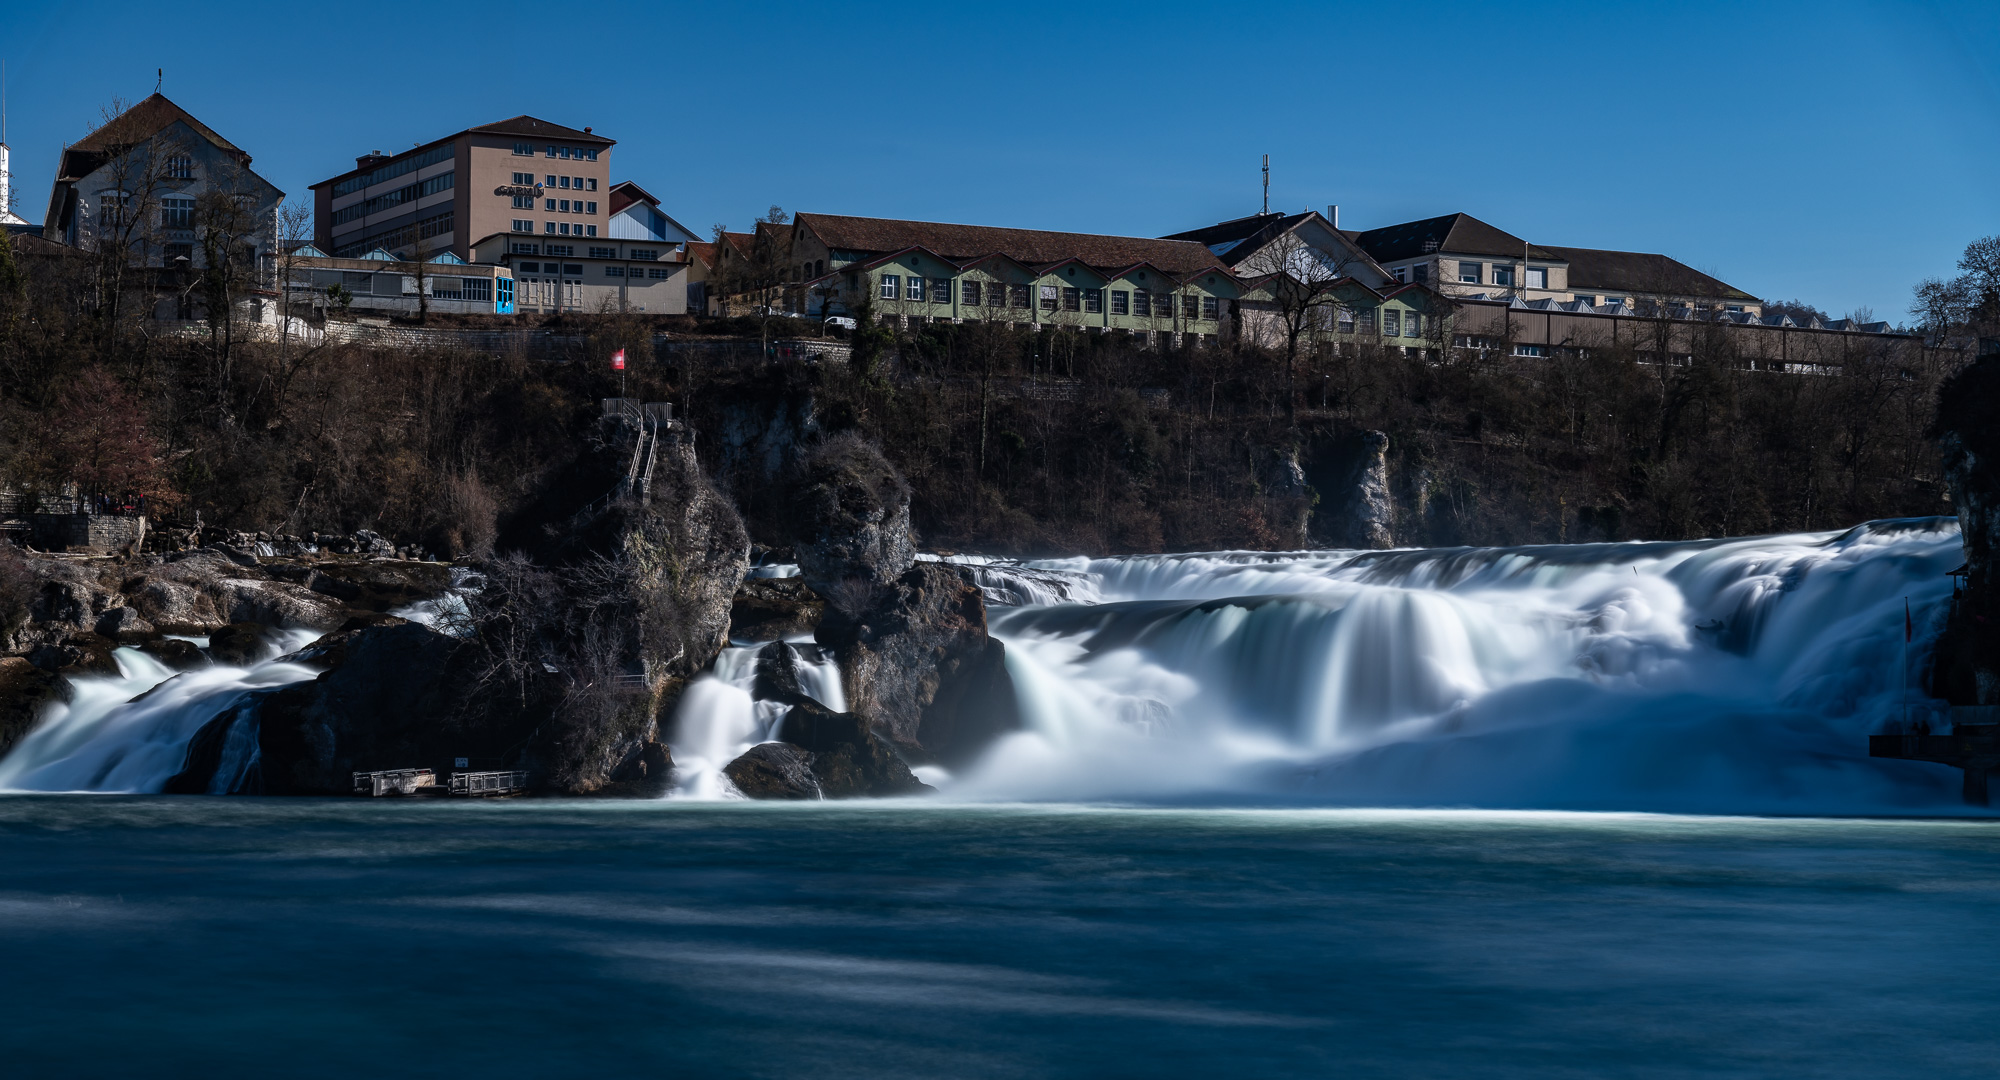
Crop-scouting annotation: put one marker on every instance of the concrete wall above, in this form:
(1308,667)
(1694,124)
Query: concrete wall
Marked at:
(92,534)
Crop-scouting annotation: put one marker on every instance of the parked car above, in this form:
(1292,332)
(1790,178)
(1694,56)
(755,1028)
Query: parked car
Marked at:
(842,321)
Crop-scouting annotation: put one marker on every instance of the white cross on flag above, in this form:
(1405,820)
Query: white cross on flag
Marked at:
(618,360)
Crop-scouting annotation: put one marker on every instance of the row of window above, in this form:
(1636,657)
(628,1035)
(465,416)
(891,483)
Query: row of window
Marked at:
(568,206)
(572,269)
(1053,298)
(391,199)
(563,228)
(571,153)
(657,273)
(1472,273)
(1395,322)
(394,169)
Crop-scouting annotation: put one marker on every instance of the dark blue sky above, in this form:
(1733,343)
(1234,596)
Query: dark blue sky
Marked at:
(1836,151)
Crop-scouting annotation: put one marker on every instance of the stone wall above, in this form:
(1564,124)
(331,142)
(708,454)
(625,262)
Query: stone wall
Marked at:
(91,534)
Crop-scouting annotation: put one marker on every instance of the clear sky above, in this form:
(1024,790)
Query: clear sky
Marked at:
(1836,151)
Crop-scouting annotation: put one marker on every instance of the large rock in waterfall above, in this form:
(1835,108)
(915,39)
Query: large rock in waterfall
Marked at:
(823,755)
(911,637)
(25,690)
(851,522)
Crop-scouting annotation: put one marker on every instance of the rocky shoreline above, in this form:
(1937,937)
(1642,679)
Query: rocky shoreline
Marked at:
(567,662)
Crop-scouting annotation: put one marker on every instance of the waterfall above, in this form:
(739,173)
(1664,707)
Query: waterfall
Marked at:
(1711,676)
(717,719)
(130,732)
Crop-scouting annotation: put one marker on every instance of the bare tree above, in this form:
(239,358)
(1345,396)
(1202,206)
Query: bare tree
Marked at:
(1299,298)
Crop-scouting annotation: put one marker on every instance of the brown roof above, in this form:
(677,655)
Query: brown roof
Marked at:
(1030,246)
(131,127)
(1453,233)
(540,129)
(744,243)
(703,252)
(1638,272)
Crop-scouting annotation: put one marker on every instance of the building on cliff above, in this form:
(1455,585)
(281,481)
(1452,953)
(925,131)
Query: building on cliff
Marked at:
(163,194)
(917,272)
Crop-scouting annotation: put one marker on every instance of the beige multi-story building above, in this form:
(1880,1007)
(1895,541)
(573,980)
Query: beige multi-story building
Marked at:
(524,177)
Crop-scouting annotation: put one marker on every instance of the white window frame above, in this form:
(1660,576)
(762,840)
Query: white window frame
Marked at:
(892,285)
(1473,269)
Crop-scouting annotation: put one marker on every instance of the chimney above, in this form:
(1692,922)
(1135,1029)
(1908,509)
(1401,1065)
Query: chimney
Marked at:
(368,159)
(1333,214)
(586,129)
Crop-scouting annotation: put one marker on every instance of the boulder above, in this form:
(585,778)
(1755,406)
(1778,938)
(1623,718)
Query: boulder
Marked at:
(766,609)
(78,654)
(848,760)
(242,644)
(851,523)
(125,626)
(175,607)
(774,771)
(777,675)
(920,665)
(25,690)
(276,603)
(176,653)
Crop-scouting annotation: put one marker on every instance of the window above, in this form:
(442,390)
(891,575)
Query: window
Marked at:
(573,269)
(562,182)
(1468,272)
(1211,308)
(1070,297)
(644,253)
(1142,304)
(1614,299)
(1402,274)
(177,213)
(969,294)
(551,180)
(562,206)
(1392,325)
(524,202)
(1121,302)
(560,250)
(576,182)
(552,153)
(476,288)
(180,167)
(1048,298)
(1345,322)
(1538,277)
(1421,273)
(1364,320)
(940,290)
(1163,305)
(435,225)
(590,208)
(1017,297)
(614,271)
(590,155)
(1503,275)
(562,228)
(603,253)
(590,230)
(523,225)
(890,286)
(913,288)
(1093,301)
(1413,324)
(549,205)
(590,182)
(658,272)
(1531,350)
(819,267)
(394,169)
(524,179)
(522,149)
(519,248)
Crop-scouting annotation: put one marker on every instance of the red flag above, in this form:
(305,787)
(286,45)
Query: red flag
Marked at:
(1908,627)
(618,360)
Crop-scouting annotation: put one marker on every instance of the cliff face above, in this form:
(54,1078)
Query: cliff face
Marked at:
(1968,438)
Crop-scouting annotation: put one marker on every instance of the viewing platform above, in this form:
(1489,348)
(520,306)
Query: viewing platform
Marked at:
(1973,744)
(424,782)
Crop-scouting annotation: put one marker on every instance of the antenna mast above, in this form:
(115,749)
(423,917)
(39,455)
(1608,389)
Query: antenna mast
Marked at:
(1267,183)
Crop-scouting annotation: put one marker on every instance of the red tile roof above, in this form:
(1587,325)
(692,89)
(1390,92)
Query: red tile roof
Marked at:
(1029,246)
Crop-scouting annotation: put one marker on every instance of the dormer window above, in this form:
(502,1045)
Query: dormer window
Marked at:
(180,167)
(1538,277)
(1468,272)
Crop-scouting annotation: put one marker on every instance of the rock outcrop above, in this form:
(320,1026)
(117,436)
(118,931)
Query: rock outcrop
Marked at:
(823,755)
(919,664)
(24,691)
(1967,670)
(774,771)
(851,523)
(766,609)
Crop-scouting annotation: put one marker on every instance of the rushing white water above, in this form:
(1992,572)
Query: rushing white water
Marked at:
(717,720)
(130,733)
(1715,676)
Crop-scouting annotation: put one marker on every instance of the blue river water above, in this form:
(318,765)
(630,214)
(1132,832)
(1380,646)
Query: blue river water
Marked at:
(226,937)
